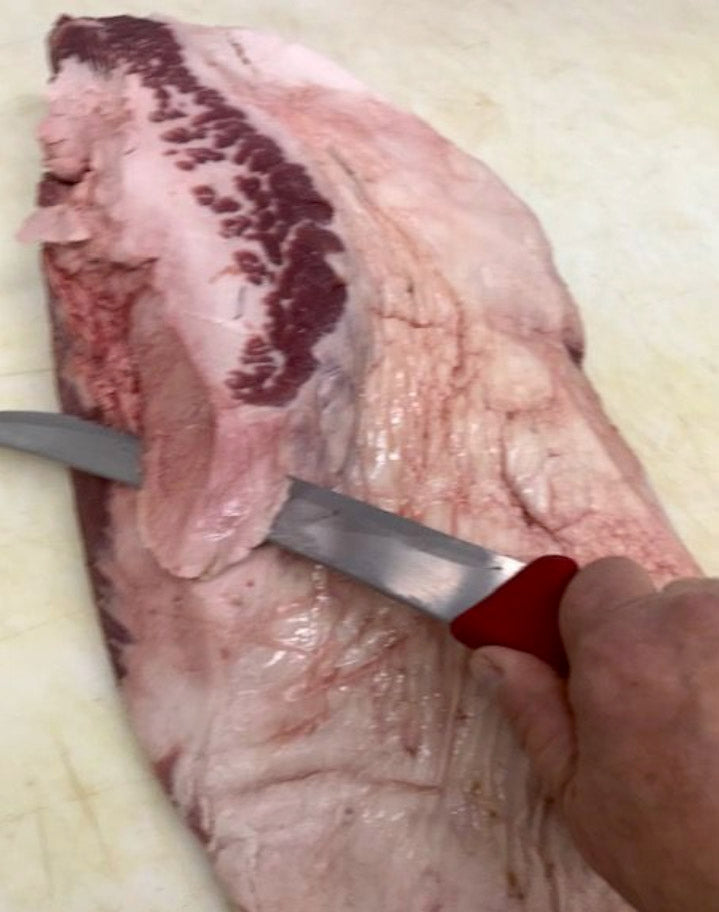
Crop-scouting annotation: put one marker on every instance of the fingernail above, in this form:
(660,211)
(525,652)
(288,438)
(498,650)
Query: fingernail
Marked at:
(485,671)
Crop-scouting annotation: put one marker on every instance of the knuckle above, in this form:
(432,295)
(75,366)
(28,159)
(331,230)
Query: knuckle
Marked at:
(610,665)
(696,609)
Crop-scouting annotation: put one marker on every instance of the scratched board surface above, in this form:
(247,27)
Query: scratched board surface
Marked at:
(603,118)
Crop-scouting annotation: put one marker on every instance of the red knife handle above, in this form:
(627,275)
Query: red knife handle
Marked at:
(522,613)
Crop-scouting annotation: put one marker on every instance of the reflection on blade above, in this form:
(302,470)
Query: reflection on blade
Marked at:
(403,559)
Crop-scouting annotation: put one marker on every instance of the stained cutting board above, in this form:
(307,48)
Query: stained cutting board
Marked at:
(603,117)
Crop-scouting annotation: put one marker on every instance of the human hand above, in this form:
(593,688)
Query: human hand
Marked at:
(629,746)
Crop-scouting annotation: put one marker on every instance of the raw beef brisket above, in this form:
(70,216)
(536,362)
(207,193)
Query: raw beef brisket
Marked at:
(265,270)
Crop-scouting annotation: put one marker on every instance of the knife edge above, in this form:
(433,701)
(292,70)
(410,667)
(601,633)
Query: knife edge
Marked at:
(403,559)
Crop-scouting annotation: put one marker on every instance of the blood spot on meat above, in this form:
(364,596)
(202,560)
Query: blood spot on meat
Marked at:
(250,186)
(265,220)
(575,352)
(117,637)
(204,194)
(292,185)
(207,97)
(261,152)
(194,821)
(52,191)
(201,155)
(265,158)
(272,247)
(251,266)
(234,227)
(230,133)
(225,204)
(178,135)
(164,768)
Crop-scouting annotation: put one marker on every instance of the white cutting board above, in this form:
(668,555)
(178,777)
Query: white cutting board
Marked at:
(603,116)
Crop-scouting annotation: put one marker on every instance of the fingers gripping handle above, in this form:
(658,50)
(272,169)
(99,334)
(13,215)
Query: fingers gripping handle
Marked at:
(523,613)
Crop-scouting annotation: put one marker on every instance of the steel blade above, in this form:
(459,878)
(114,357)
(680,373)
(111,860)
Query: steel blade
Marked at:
(405,560)
(81,444)
(434,572)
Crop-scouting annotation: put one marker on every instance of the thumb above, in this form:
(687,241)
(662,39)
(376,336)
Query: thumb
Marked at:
(535,701)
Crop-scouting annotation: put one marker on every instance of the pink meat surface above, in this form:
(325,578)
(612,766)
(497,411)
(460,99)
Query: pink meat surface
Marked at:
(265,270)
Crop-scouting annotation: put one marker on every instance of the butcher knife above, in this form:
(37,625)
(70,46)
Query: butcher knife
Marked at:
(486,598)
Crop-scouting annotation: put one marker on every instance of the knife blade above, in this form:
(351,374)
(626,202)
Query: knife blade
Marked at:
(486,598)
